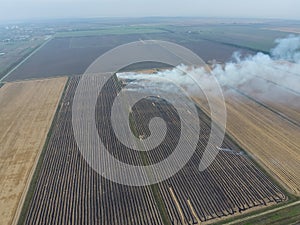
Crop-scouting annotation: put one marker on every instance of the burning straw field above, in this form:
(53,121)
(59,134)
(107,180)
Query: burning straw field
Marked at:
(263,112)
(263,125)
(68,191)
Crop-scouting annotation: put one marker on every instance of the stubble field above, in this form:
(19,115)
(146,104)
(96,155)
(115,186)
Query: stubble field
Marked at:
(26,112)
(267,136)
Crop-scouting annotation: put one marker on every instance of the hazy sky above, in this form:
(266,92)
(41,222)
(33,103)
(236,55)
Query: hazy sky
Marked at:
(28,9)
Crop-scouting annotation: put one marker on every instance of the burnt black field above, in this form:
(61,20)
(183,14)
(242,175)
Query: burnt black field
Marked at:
(68,56)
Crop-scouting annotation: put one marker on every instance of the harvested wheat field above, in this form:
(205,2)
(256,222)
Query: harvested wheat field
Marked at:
(270,139)
(26,112)
(280,100)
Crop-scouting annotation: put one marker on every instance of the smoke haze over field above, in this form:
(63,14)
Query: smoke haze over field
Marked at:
(288,49)
(282,67)
(260,73)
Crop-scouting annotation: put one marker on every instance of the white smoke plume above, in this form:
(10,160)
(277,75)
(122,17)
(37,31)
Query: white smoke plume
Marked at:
(287,48)
(270,77)
(282,67)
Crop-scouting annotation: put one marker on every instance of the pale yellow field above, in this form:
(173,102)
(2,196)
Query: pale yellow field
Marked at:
(268,138)
(26,112)
(286,29)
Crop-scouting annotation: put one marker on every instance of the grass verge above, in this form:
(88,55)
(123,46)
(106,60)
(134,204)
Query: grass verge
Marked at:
(289,215)
(286,215)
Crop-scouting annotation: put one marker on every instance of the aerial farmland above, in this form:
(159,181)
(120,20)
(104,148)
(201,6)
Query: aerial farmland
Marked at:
(28,118)
(46,178)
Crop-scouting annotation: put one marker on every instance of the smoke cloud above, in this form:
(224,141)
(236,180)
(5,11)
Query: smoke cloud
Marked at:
(287,48)
(281,68)
(274,77)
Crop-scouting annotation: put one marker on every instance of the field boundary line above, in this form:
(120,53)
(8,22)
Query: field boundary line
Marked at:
(280,114)
(20,208)
(263,213)
(24,60)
